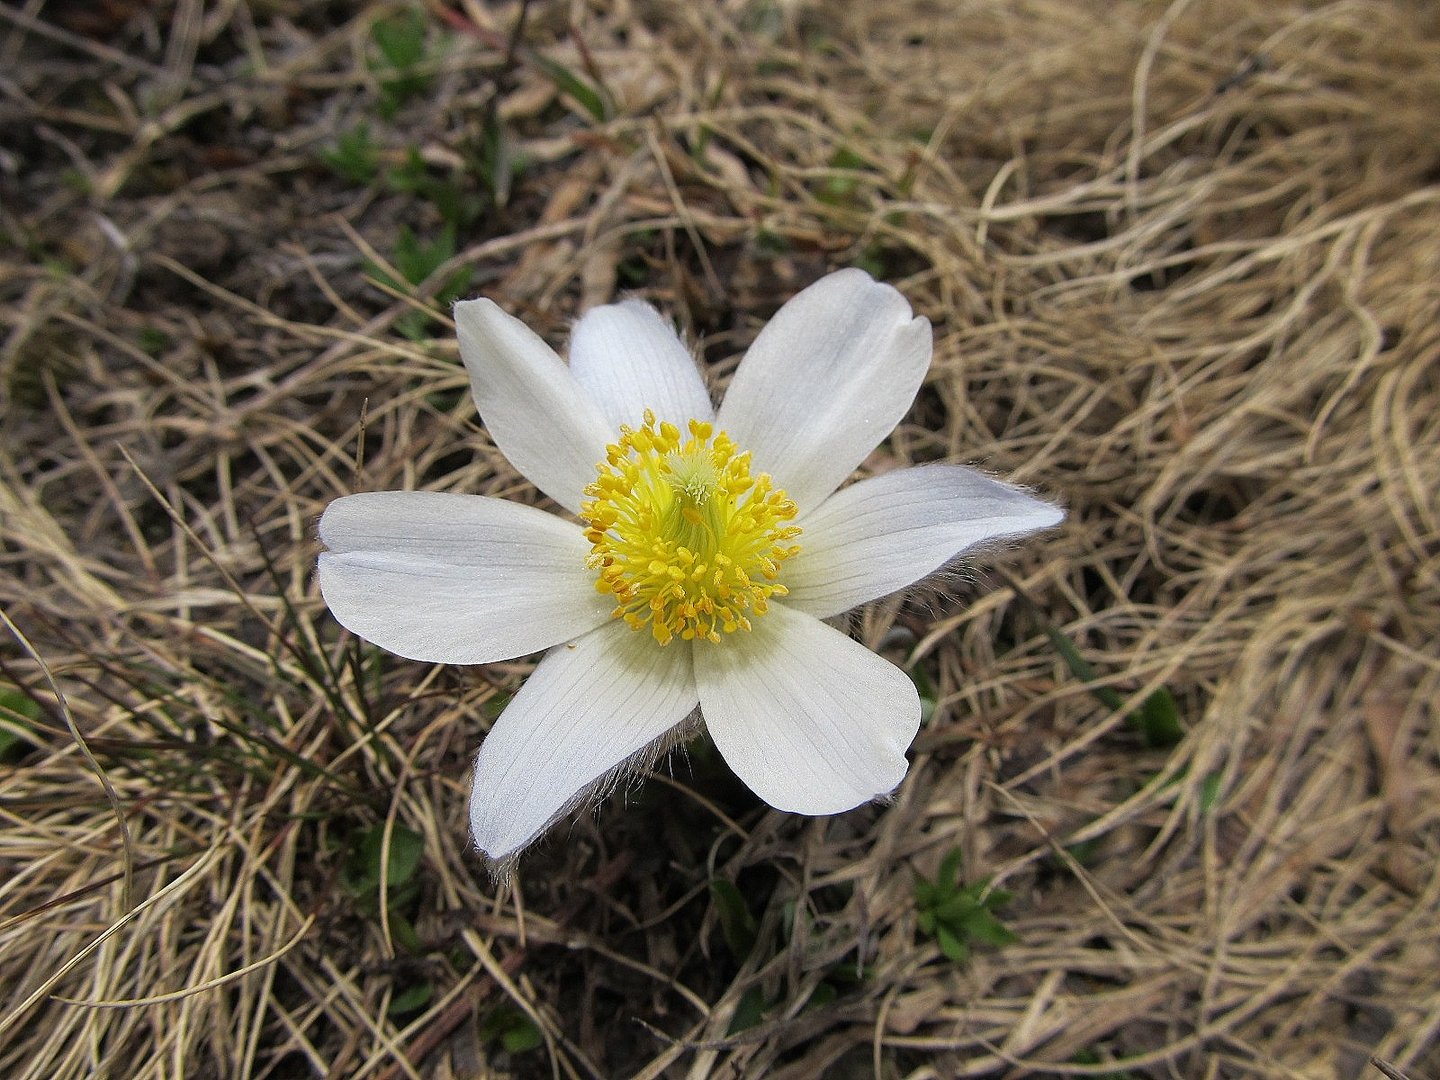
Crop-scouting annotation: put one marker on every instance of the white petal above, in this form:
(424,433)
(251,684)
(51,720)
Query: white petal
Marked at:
(629,359)
(813,722)
(829,377)
(590,706)
(882,534)
(530,403)
(456,579)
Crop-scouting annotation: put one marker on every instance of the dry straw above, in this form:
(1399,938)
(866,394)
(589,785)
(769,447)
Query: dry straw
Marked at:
(1183,266)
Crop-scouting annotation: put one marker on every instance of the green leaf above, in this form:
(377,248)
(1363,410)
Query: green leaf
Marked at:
(522,1037)
(948,876)
(983,927)
(928,893)
(872,261)
(153,340)
(402,930)
(512,1029)
(452,194)
(1090,1056)
(1211,788)
(995,898)
(737,925)
(769,242)
(17,712)
(840,186)
(823,994)
(406,849)
(952,945)
(412,1000)
(953,910)
(960,916)
(362,871)
(921,678)
(400,39)
(493,158)
(20,706)
(749,1012)
(417,259)
(1081,669)
(411,175)
(1158,720)
(356,156)
(787,919)
(1084,851)
(594,100)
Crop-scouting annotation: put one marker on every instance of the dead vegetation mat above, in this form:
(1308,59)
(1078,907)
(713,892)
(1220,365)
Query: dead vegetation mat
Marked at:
(1183,262)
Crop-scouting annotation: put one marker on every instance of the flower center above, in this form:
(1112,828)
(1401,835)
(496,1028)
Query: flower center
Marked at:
(687,541)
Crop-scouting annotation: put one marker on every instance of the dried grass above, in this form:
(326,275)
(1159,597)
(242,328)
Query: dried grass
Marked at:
(1182,261)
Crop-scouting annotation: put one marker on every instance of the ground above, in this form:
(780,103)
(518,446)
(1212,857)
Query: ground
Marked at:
(1173,810)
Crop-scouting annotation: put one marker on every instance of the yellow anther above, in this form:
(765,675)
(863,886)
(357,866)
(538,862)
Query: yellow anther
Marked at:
(683,536)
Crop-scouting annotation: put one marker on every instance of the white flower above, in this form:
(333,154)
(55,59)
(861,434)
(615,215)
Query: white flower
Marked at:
(713,543)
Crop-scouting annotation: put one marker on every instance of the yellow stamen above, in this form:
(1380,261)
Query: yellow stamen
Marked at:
(685,539)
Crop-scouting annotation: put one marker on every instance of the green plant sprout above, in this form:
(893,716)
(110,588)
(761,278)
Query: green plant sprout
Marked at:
(452,195)
(400,41)
(512,1029)
(737,924)
(416,260)
(355,156)
(361,877)
(18,711)
(595,100)
(411,1000)
(1157,720)
(841,186)
(961,916)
